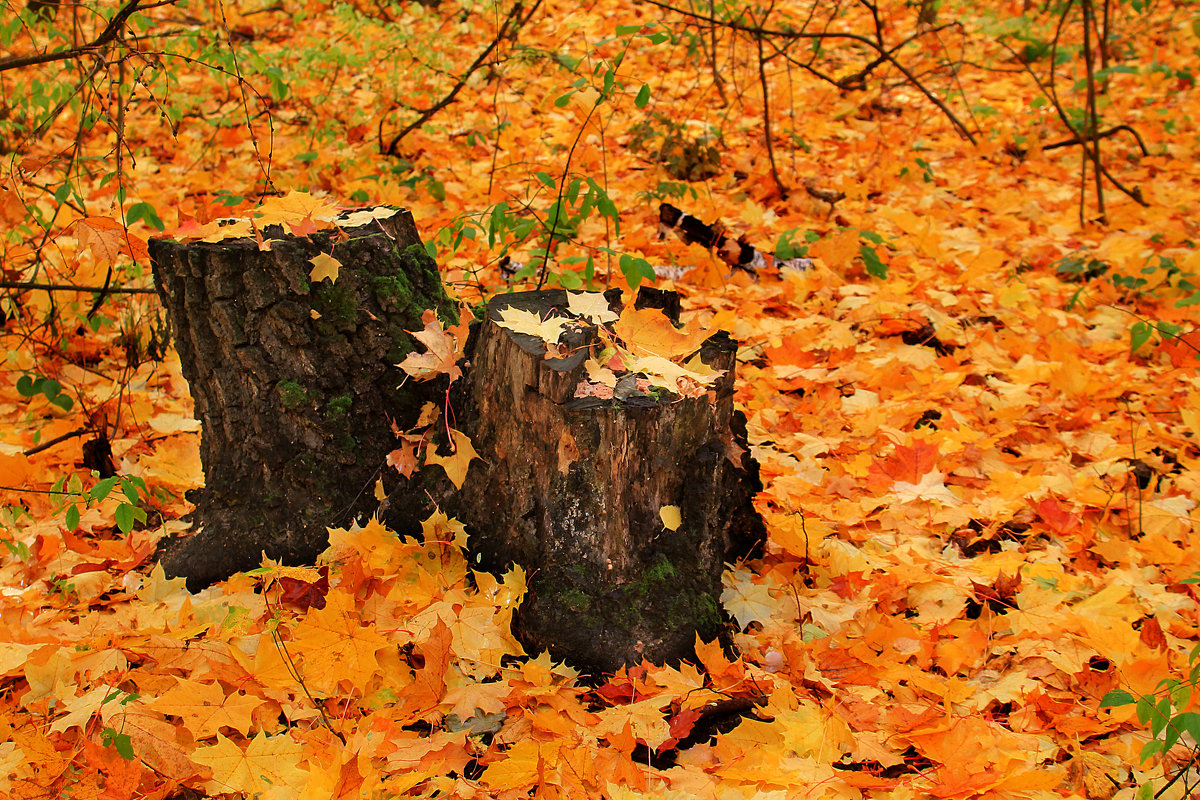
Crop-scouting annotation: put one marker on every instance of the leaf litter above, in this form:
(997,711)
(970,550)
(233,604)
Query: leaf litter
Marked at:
(964,556)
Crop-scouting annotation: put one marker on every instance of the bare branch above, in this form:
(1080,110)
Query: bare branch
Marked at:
(886,54)
(512,23)
(106,37)
(71,287)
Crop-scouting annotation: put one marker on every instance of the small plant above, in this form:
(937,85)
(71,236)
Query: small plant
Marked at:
(1163,711)
(111,737)
(70,494)
(32,385)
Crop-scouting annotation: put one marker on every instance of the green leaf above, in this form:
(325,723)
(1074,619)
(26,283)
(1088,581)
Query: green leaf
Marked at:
(636,270)
(1189,721)
(25,386)
(1162,715)
(130,491)
(625,30)
(49,388)
(562,100)
(573,190)
(545,178)
(121,741)
(1139,334)
(63,402)
(102,489)
(643,96)
(72,519)
(1150,749)
(875,267)
(569,280)
(124,517)
(1145,708)
(1117,697)
(144,212)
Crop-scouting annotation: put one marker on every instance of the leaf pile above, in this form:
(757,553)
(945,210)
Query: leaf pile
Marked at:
(980,493)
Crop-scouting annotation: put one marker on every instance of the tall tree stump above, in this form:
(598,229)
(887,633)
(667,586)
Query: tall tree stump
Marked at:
(294,382)
(572,488)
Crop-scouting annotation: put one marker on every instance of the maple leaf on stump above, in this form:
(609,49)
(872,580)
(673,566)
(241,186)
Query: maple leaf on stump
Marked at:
(444,350)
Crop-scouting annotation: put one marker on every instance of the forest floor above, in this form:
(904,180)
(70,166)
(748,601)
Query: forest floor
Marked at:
(975,414)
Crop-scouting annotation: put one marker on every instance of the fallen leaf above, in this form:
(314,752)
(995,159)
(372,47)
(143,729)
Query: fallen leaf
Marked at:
(324,266)
(671,518)
(592,306)
(455,464)
(443,351)
(519,320)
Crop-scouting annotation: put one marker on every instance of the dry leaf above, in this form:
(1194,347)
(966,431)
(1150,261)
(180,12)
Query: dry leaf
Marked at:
(324,266)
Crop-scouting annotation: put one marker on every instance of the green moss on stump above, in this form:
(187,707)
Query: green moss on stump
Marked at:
(292,394)
(337,306)
(339,406)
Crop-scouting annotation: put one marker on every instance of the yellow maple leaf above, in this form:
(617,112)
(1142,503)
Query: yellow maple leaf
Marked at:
(592,306)
(221,229)
(267,763)
(837,249)
(522,321)
(440,528)
(670,517)
(457,461)
(364,216)
(205,708)
(336,646)
(744,599)
(324,266)
(293,209)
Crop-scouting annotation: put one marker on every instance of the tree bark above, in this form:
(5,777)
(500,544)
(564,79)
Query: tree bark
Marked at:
(294,382)
(571,489)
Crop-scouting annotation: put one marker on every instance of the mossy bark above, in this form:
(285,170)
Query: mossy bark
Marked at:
(294,383)
(572,489)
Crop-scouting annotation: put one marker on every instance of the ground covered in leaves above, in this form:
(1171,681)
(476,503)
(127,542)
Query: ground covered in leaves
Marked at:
(980,493)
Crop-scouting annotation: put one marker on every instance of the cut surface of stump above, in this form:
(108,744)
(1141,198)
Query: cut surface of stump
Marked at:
(294,382)
(579,480)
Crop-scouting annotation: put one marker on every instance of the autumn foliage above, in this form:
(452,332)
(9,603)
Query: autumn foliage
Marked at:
(976,414)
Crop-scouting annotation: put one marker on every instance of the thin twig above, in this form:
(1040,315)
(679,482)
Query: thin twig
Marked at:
(71,287)
(56,440)
(512,23)
(106,36)
(758,32)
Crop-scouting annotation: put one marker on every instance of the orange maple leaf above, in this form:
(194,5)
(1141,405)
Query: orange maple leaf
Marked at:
(404,457)
(429,682)
(648,331)
(908,464)
(444,351)
(107,239)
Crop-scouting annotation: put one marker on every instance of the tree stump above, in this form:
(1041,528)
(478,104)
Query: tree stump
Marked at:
(572,489)
(294,382)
